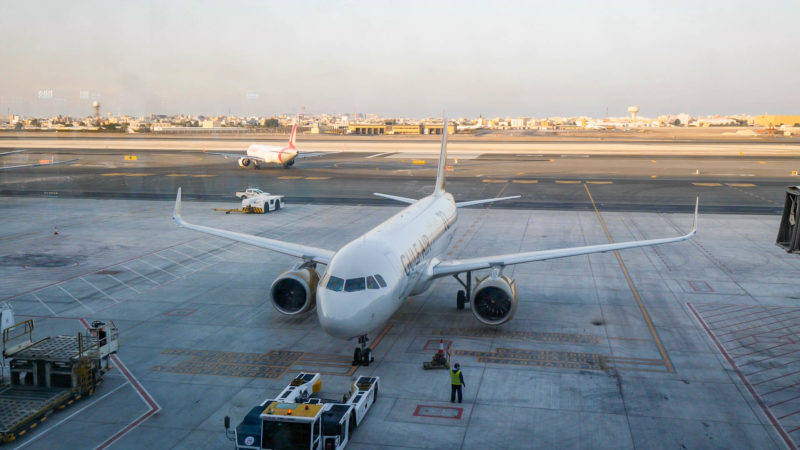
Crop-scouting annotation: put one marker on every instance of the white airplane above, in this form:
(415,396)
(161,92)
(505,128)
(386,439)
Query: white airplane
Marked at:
(41,163)
(368,279)
(258,154)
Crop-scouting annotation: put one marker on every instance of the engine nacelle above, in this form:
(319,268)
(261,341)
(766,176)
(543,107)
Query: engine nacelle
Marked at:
(494,300)
(295,292)
(244,162)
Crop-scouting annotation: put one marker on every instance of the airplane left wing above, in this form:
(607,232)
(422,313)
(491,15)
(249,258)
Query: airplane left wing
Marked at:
(318,255)
(456,266)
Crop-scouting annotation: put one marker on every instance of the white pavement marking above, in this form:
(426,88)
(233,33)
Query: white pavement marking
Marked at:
(140,274)
(173,262)
(190,256)
(208,252)
(40,434)
(378,154)
(125,284)
(44,304)
(98,289)
(159,268)
(76,299)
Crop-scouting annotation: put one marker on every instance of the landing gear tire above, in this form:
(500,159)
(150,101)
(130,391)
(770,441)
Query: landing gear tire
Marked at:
(461,299)
(367,357)
(256,166)
(357,356)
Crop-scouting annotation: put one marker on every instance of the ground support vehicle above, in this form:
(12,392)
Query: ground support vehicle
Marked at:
(250,192)
(297,419)
(258,205)
(49,374)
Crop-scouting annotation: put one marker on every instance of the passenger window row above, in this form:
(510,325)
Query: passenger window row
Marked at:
(356,284)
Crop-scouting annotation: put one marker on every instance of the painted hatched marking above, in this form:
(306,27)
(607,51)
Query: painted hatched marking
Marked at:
(764,356)
(570,338)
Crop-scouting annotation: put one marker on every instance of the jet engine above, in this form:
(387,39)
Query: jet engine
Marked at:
(244,162)
(494,300)
(295,292)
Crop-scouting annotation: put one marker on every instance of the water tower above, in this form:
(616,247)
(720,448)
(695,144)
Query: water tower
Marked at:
(633,110)
(96,106)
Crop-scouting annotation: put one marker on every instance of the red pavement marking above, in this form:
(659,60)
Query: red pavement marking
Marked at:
(757,326)
(780,389)
(456,417)
(771,357)
(776,378)
(790,414)
(760,333)
(734,311)
(154,407)
(735,324)
(749,316)
(699,287)
(775,423)
(770,368)
(780,403)
(762,350)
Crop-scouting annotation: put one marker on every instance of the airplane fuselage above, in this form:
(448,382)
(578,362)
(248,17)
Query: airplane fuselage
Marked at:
(272,154)
(400,251)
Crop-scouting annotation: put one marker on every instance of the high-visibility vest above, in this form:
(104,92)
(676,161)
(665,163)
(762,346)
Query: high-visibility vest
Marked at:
(455,377)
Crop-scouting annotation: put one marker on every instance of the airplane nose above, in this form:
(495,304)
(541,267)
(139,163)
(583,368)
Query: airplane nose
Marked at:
(346,315)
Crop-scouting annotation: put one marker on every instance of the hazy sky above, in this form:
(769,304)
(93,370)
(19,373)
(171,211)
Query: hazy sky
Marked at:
(401,57)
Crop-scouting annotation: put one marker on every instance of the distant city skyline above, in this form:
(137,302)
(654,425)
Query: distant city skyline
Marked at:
(407,60)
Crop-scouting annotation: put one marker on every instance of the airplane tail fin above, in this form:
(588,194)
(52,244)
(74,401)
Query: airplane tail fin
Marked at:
(293,135)
(439,189)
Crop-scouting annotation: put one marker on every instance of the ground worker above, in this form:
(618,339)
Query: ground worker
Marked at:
(456,383)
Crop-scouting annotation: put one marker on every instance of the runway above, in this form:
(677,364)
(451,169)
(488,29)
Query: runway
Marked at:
(640,182)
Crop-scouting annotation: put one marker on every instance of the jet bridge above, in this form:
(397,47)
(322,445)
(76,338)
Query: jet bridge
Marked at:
(789,231)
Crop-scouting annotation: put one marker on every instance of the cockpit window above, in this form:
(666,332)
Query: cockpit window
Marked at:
(335,284)
(380,280)
(354,284)
(371,283)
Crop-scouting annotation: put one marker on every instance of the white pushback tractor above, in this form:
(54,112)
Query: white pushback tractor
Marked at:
(298,419)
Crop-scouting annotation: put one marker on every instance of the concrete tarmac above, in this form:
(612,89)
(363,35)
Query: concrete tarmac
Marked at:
(680,346)
(686,345)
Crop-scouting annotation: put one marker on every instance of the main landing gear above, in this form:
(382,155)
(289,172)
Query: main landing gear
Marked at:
(362,355)
(464,295)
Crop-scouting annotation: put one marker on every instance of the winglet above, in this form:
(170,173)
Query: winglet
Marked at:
(293,135)
(439,189)
(176,213)
(696,209)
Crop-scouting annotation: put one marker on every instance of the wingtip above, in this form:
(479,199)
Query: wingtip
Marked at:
(176,212)
(696,210)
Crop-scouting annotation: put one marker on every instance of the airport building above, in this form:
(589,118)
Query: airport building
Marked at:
(776,121)
(368,129)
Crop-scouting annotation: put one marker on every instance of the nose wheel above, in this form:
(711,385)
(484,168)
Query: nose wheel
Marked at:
(362,355)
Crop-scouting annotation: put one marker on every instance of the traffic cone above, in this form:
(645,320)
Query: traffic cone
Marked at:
(55,231)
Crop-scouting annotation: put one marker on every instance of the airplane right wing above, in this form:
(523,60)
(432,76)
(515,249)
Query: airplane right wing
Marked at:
(456,266)
(318,255)
(236,155)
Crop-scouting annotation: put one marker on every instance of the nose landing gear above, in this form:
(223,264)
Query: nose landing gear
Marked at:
(362,355)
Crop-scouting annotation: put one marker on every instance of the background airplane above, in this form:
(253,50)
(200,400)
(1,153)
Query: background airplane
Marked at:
(368,279)
(259,154)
